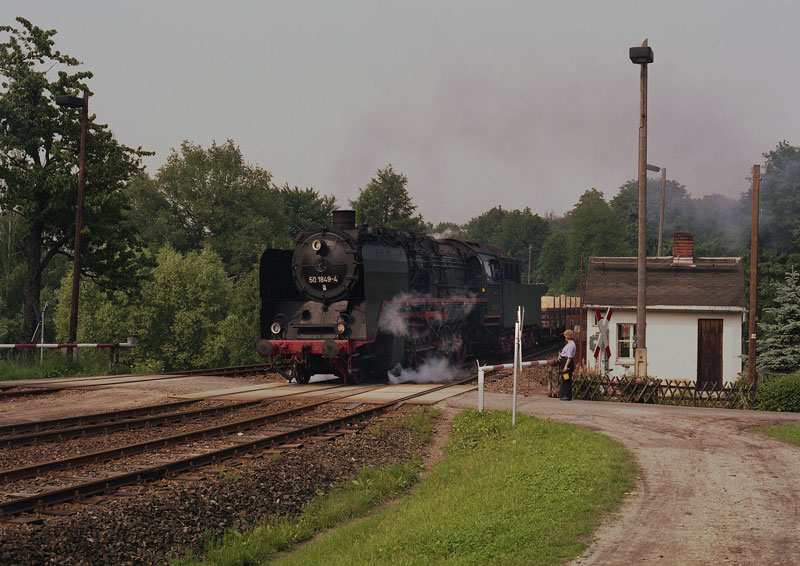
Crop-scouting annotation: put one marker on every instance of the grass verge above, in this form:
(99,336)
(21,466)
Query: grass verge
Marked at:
(788,432)
(53,366)
(531,495)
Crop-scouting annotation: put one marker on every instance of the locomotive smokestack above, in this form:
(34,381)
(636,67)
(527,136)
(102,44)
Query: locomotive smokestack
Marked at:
(344,219)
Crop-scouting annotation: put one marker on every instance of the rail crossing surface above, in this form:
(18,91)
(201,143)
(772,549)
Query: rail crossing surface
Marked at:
(372,393)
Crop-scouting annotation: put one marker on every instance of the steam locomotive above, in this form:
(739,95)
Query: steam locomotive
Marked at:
(359,302)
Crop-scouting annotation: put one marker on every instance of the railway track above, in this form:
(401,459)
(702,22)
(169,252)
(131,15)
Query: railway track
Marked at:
(17,389)
(35,487)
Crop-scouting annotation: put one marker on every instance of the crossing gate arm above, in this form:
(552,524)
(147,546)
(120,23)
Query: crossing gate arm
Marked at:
(483,369)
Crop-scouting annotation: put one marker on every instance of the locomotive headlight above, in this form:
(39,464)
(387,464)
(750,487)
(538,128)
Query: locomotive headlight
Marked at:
(316,245)
(342,323)
(275,328)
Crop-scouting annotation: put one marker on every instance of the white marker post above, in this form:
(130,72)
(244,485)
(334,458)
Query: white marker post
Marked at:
(517,359)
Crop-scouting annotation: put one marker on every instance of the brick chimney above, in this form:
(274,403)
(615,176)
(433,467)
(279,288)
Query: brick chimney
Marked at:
(683,248)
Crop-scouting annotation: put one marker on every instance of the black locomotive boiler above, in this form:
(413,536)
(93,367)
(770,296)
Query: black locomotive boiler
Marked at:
(361,301)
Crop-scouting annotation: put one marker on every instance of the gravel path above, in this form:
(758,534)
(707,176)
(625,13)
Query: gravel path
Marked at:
(712,491)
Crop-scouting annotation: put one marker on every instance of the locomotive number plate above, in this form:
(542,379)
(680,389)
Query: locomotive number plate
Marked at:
(323,279)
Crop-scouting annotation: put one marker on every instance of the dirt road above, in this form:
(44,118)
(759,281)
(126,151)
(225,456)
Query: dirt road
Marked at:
(712,491)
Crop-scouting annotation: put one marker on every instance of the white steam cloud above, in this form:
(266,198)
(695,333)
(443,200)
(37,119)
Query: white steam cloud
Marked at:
(433,370)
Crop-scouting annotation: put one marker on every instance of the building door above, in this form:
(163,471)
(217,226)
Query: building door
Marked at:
(709,352)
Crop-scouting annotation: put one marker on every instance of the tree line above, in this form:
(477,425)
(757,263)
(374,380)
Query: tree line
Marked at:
(172,256)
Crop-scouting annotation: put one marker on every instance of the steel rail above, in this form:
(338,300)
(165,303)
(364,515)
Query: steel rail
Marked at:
(37,387)
(110,483)
(164,442)
(122,424)
(21,428)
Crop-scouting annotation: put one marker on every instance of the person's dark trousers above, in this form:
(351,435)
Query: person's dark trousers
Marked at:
(566,386)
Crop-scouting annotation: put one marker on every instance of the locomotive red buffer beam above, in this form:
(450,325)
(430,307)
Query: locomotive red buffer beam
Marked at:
(326,348)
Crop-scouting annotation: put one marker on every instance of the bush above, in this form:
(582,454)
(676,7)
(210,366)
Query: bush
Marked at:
(780,394)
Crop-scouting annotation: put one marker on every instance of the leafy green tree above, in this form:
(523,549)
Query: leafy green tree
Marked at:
(595,229)
(385,201)
(779,222)
(189,314)
(305,209)
(552,261)
(484,228)
(779,349)
(39,146)
(677,212)
(510,230)
(214,197)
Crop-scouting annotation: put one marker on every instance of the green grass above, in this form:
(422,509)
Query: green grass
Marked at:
(531,495)
(789,432)
(53,366)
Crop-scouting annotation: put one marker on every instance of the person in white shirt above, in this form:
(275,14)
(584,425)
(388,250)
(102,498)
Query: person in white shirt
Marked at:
(566,365)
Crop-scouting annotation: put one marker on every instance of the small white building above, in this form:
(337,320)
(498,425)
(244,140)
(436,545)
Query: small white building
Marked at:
(695,313)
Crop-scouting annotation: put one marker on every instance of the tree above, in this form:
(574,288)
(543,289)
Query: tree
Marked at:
(385,201)
(213,197)
(779,349)
(552,260)
(510,230)
(305,209)
(779,223)
(189,314)
(484,228)
(595,229)
(677,212)
(38,158)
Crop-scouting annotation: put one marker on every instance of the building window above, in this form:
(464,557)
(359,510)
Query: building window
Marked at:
(625,333)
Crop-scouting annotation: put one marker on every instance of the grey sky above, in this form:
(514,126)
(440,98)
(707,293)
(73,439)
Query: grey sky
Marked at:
(479,103)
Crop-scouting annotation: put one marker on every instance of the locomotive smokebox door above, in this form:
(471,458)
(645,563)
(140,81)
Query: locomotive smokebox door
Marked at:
(330,349)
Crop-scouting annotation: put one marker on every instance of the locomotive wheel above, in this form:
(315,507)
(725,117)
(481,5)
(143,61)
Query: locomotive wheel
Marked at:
(301,374)
(355,376)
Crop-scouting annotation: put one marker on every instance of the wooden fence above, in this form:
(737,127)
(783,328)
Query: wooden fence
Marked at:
(632,389)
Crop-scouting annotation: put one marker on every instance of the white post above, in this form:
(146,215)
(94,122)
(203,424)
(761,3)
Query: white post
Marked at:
(480,388)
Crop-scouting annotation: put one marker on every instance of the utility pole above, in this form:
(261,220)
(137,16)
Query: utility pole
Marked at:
(529,263)
(75,102)
(642,56)
(661,213)
(751,349)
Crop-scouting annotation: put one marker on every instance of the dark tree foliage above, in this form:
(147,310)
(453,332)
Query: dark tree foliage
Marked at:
(305,209)
(595,229)
(779,223)
(513,231)
(552,260)
(39,147)
(385,201)
(212,197)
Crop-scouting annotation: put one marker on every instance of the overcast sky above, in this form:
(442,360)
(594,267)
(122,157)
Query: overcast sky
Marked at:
(479,103)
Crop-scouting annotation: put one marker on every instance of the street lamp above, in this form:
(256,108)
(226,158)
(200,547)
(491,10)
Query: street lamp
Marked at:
(642,56)
(661,209)
(76,102)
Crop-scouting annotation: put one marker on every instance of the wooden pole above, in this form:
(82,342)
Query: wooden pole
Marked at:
(751,349)
(641,262)
(76,266)
(661,213)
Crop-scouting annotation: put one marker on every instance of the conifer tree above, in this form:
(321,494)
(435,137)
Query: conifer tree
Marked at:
(779,349)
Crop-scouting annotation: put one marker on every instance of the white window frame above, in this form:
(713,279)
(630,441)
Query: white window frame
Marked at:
(622,340)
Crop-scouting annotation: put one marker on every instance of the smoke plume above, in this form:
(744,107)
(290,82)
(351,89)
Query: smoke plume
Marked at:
(434,370)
